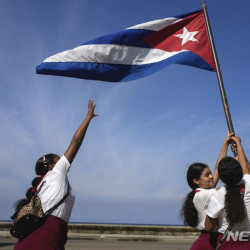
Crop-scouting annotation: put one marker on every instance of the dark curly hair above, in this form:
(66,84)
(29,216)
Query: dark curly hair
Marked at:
(189,213)
(230,172)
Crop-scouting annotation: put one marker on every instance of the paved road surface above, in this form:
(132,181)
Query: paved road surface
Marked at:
(171,244)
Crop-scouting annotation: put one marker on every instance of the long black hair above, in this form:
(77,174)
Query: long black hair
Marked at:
(189,213)
(41,168)
(230,172)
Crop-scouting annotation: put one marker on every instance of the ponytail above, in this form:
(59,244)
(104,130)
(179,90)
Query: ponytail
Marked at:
(230,172)
(234,205)
(189,212)
(29,193)
(41,168)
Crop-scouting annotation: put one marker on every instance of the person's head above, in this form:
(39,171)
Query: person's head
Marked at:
(46,163)
(230,172)
(199,176)
(43,165)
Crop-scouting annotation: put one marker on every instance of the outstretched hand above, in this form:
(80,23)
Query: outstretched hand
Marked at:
(228,138)
(235,142)
(91,109)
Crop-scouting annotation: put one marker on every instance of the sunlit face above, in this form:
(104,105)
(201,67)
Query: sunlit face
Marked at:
(205,180)
(55,160)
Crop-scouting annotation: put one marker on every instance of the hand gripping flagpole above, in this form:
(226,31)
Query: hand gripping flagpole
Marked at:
(218,72)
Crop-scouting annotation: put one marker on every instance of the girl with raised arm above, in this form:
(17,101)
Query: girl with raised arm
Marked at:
(202,182)
(52,178)
(229,207)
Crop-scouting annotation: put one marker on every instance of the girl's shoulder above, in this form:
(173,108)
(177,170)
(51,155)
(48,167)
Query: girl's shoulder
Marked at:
(202,191)
(203,195)
(246,177)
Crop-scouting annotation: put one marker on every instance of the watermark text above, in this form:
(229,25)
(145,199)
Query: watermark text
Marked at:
(238,236)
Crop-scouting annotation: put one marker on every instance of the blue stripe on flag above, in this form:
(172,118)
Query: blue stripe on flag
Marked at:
(129,37)
(187,14)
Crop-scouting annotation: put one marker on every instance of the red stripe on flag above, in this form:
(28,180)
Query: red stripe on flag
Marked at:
(189,34)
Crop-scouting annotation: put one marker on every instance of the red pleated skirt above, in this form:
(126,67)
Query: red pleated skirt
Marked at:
(206,241)
(52,235)
(233,244)
(209,241)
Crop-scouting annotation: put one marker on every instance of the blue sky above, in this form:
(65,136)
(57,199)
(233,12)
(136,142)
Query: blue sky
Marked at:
(133,162)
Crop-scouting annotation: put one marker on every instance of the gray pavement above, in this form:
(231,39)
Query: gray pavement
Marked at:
(172,243)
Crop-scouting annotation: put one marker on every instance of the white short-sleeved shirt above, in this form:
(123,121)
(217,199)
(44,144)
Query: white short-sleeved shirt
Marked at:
(201,200)
(216,208)
(55,187)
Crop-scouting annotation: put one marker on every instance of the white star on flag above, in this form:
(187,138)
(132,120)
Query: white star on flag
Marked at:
(187,36)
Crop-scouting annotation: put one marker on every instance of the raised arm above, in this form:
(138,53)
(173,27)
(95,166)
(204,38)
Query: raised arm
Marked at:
(242,159)
(222,154)
(78,137)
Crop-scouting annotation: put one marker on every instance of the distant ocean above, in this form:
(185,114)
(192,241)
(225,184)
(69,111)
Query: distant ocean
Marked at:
(105,223)
(134,224)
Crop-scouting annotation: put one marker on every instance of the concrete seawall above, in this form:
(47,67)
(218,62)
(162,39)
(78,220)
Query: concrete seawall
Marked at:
(119,232)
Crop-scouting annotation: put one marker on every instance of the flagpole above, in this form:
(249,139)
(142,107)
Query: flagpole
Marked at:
(218,72)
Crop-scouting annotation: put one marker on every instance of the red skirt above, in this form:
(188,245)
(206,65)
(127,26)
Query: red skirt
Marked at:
(209,241)
(52,235)
(206,241)
(233,244)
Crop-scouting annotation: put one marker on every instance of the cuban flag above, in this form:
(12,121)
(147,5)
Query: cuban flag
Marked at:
(137,51)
